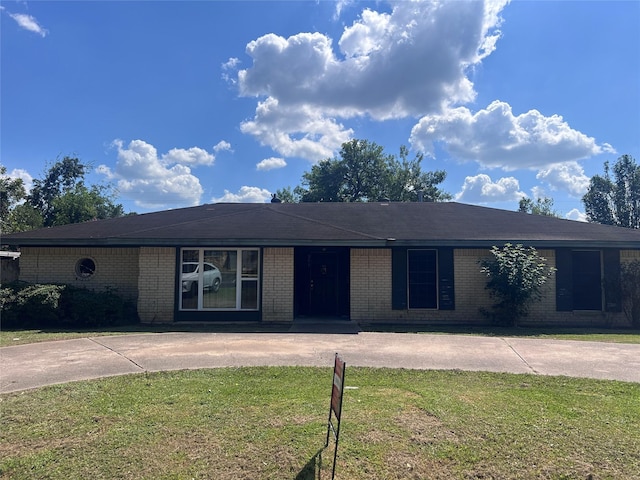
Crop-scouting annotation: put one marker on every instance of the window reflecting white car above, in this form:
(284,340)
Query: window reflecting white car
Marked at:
(191,272)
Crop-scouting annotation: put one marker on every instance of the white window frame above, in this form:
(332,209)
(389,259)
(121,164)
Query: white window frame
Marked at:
(240,278)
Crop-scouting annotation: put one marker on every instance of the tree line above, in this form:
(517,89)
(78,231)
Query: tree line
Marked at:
(60,197)
(361,172)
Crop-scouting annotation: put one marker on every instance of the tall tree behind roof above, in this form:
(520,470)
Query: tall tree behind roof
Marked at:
(615,200)
(363,172)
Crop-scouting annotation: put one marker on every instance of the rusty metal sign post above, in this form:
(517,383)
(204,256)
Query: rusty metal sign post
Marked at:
(335,409)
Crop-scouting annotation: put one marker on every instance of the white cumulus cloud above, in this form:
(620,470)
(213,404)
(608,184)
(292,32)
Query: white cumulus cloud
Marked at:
(27,179)
(576,214)
(271,163)
(296,131)
(481,189)
(568,176)
(244,195)
(411,61)
(222,145)
(157,181)
(495,137)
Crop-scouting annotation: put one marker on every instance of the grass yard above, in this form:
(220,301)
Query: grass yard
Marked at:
(270,423)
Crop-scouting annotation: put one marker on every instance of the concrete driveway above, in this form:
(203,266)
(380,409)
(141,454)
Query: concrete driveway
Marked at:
(30,366)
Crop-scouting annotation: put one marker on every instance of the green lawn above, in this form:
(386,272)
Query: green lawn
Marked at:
(270,423)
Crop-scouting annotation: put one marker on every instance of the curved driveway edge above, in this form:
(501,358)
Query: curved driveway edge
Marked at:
(35,365)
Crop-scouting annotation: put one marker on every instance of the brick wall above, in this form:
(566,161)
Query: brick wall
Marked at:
(371,293)
(157,284)
(371,290)
(370,284)
(277,285)
(629,255)
(116,268)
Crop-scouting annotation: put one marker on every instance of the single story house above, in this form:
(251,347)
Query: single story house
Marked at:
(371,262)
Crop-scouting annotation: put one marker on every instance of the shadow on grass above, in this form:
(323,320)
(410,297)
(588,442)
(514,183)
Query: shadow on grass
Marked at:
(313,468)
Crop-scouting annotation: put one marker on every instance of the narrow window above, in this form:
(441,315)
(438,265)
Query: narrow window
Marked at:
(422,276)
(587,280)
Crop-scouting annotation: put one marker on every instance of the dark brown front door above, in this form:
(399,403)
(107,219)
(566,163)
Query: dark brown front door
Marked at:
(322,282)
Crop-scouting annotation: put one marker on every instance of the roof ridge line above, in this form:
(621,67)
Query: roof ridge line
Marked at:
(326,224)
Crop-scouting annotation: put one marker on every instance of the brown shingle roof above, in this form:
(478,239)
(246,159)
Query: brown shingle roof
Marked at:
(358,224)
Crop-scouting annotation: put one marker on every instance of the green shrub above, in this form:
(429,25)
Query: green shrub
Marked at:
(516,277)
(62,306)
(30,306)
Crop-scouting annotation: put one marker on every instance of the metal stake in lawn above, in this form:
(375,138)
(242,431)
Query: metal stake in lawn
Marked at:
(336,407)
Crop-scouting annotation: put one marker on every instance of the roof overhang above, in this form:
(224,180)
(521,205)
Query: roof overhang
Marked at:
(371,243)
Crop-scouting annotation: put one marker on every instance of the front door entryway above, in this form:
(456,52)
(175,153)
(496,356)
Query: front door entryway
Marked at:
(322,282)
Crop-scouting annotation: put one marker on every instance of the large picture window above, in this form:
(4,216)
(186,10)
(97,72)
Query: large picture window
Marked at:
(219,279)
(422,271)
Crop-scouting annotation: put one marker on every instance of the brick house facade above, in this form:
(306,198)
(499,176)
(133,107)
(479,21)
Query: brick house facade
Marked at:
(275,263)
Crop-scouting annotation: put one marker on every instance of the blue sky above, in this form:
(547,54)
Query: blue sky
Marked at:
(183,103)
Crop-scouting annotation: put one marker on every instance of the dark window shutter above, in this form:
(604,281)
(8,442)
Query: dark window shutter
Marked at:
(446,293)
(612,287)
(399,279)
(564,280)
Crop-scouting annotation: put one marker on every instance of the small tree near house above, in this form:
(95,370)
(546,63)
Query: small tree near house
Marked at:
(516,277)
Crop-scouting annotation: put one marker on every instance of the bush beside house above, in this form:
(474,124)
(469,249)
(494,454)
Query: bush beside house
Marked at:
(26,305)
(516,275)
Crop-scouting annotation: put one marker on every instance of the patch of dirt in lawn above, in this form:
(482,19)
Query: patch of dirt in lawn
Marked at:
(424,427)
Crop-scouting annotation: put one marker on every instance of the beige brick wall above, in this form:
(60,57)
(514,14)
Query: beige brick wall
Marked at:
(629,255)
(157,284)
(469,284)
(277,285)
(371,293)
(116,268)
(370,284)
(471,294)
(371,290)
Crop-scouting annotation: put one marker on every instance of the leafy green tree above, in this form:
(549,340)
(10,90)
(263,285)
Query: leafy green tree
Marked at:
(408,183)
(365,173)
(287,195)
(62,177)
(615,199)
(11,192)
(62,196)
(542,206)
(516,277)
(23,217)
(83,204)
